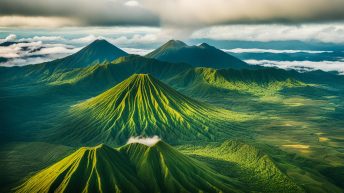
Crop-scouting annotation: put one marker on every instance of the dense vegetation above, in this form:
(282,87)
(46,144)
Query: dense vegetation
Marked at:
(250,130)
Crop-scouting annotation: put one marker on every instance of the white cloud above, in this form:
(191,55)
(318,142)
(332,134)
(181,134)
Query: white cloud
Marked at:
(121,40)
(319,32)
(137,38)
(8,52)
(9,38)
(149,141)
(43,38)
(302,65)
(132,3)
(258,50)
(37,21)
(137,51)
(86,39)
(16,50)
(25,61)
(32,52)
(56,50)
(212,12)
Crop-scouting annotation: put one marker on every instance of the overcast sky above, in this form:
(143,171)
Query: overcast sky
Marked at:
(186,13)
(261,20)
(60,27)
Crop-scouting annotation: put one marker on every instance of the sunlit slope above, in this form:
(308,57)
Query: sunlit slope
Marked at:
(202,55)
(159,168)
(142,105)
(164,169)
(257,82)
(105,75)
(97,169)
(250,165)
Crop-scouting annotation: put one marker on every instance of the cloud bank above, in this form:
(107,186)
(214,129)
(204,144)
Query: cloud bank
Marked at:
(258,50)
(33,50)
(332,32)
(149,141)
(326,66)
(186,13)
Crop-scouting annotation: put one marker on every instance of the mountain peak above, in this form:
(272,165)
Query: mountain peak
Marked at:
(139,106)
(169,46)
(97,52)
(142,76)
(202,55)
(175,44)
(113,173)
(134,168)
(99,43)
(204,45)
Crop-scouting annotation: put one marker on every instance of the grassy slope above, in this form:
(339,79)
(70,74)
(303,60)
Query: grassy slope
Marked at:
(20,159)
(132,168)
(245,162)
(164,169)
(142,105)
(293,119)
(105,75)
(200,81)
(98,169)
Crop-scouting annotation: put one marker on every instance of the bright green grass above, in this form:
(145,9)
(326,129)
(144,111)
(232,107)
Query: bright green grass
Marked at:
(132,168)
(22,159)
(263,82)
(247,163)
(142,105)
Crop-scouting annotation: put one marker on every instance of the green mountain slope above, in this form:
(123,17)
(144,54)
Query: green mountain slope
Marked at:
(203,55)
(160,168)
(97,169)
(142,105)
(203,81)
(104,75)
(250,165)
(97,52)
(164,169)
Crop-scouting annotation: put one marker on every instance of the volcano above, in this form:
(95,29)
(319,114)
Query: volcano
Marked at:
(202,55)
(140,106)
(131,168)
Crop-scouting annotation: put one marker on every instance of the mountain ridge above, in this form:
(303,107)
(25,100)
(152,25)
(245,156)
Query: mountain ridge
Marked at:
(104,169)
(86,170)
(202,55)
(257,82)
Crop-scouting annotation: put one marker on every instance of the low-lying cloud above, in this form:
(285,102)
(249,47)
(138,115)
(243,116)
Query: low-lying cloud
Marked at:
(273,51)
(137,51)
(327,66)
(29,51)
(9,38)
(149,141)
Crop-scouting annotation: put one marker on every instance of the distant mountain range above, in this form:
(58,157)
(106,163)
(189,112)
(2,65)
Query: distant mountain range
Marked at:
(202,55)
(105,75)
(132,168)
